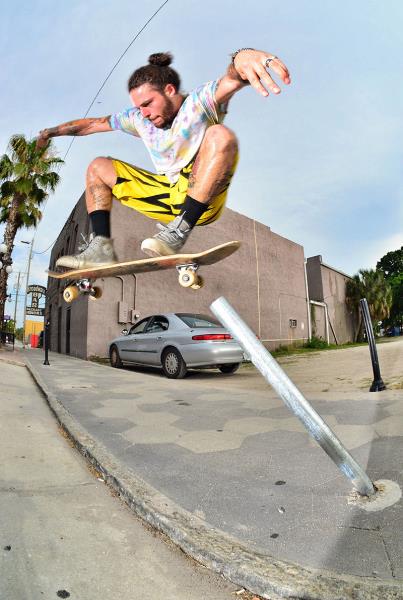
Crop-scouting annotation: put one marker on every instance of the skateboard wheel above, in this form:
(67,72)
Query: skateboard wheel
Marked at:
(187,278)
(70,293)
(198,283)
(95,293)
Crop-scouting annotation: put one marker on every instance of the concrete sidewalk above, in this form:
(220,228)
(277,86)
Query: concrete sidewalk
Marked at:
(63,533)
(220,465)
(12,356)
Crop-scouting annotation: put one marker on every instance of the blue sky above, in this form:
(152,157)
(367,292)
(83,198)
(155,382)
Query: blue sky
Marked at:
(321,163)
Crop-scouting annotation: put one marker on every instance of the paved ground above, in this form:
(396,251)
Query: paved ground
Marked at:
(223,456)
(63,535)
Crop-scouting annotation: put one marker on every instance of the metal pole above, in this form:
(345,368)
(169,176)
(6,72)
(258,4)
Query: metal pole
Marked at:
(15,306)
(46,342)
(26,291)
(377,384)
(292,397)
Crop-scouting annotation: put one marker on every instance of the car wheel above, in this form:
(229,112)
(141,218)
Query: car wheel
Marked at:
(231,368)
(114,358)
(173,365)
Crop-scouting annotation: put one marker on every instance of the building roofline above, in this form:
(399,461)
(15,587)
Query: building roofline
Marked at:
(329,266)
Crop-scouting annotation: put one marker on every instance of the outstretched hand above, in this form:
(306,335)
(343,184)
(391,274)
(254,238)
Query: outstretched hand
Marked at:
(42,140)
(254,65)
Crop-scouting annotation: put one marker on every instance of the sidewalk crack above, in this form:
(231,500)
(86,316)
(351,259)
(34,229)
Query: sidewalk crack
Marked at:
(388,557)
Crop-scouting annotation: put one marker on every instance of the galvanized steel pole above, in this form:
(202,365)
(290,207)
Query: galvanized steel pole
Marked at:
(292,397)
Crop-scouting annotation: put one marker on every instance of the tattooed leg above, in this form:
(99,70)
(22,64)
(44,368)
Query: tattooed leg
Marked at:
(213,167)
(101,177)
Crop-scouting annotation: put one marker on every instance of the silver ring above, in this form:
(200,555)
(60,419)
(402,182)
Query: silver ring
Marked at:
(268,61)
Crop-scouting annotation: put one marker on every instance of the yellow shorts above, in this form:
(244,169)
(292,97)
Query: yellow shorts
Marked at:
(156,197)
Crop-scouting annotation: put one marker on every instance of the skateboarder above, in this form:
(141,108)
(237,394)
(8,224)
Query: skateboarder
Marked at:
(194,154)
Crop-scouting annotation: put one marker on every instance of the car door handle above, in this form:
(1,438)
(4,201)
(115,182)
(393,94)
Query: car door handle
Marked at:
(159,337)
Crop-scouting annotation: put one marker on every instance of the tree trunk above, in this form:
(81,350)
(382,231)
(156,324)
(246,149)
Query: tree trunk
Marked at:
(10,232)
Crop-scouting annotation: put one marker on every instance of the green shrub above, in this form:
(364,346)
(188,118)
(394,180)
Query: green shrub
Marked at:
(316,343)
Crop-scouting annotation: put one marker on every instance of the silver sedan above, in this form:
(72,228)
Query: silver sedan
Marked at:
(176,342)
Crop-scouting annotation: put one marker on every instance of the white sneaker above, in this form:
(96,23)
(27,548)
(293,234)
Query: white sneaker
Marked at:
(170,240)
(99,252)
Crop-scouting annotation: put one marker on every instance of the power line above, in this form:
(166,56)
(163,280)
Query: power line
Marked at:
(116,64)
(44,251)
(99,91)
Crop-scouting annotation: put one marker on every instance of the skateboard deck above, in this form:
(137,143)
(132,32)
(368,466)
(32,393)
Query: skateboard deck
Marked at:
(186,265)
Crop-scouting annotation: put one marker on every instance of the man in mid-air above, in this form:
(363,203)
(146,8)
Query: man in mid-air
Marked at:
(195,155)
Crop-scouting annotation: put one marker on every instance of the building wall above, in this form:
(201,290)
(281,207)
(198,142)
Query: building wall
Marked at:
(318,322)
(280,288)
(341,318)
(328,285)
(314,276)
(264,281)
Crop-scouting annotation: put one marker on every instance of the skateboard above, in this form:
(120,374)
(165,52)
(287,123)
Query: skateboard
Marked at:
(186,265)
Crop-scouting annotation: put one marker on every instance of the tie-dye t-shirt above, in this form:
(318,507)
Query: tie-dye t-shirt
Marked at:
(173,148)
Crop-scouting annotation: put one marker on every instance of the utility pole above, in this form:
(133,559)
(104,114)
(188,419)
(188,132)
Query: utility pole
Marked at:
(15,306)
(26,287)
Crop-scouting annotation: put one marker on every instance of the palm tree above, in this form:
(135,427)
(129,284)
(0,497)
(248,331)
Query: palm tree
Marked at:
(372,285)
(26,177)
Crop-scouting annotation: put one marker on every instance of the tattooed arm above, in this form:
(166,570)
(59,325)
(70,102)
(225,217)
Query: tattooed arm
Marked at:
(77,127)
(249,67)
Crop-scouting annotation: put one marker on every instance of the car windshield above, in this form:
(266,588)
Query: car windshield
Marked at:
(193,321)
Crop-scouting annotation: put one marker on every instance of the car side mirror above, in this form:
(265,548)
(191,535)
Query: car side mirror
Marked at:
(125,331)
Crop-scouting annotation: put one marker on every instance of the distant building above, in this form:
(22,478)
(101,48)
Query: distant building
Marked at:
(265,281)
(331,319)
(33,329)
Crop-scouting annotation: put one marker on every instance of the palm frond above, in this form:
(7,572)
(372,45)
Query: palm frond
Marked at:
(23,186)
(4,214)
(48,181)
(6,167)
(37,196)
(21,170)
(7,189)
(18,147)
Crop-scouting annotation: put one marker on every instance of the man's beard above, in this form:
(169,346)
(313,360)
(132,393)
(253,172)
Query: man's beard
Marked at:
(168,115)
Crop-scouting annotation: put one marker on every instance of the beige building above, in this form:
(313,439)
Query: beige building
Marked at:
(265,281)
(330,317)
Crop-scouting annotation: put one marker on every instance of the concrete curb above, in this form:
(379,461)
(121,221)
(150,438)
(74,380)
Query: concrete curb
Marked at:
(11,361)
(259,573)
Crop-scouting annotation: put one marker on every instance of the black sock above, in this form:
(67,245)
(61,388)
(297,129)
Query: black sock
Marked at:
(193,210)
(100,222)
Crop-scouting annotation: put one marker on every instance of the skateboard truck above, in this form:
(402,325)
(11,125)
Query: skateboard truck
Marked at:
(81,286)
(188,276)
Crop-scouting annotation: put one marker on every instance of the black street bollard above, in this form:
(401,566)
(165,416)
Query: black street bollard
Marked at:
(377,384)
(46,342)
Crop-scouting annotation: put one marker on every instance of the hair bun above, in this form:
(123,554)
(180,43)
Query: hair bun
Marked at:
(160,59)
